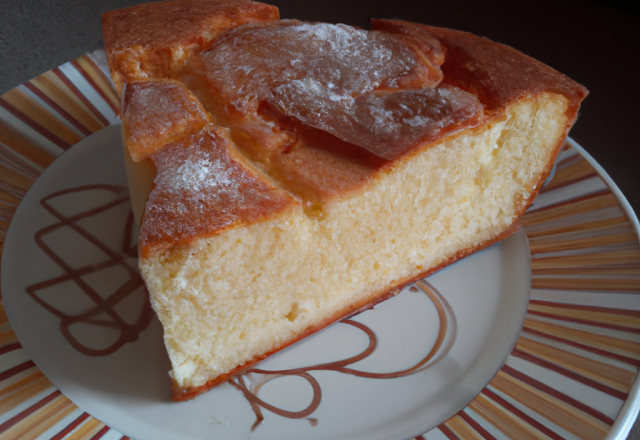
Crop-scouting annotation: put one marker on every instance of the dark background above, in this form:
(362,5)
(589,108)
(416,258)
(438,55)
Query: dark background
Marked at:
(597,43)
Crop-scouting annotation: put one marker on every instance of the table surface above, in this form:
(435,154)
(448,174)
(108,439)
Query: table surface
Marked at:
(594,42)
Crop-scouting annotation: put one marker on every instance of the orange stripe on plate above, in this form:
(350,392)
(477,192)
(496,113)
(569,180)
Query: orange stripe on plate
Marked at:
(570,172)
(602,259)
(609,375)
(87,430)
(555,244)
(71,86)
(590,272)
(462,429)
(574,226)
(621,285)
(95,77)
(32,426)
(43,92)
(584,204)
(22,388)
(41,116)
(24,147)
(609,344)
(506,422)
(561,413)
(15,178)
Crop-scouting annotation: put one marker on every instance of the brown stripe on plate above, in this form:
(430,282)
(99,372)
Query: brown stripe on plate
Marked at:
(511,425)
(619,319)
(614,348)
(27,412)
(94,76)
(619,285)
(17,369)
(521,414)
(24,147)
(23,388)
(42,420)
(101,433)
(447,431)
(570,170)
(56,90)
(570,374)
(476,426)
(9,347)
(34,114)
(72,87)
(73,121)
(70,427)
(102,80)
(568,413)
(36,127)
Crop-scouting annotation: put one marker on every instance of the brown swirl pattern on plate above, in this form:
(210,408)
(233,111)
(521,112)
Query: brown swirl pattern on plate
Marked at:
(102,307)
(442,345)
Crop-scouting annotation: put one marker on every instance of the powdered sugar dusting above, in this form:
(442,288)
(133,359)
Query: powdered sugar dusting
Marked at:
(200,189)
(385,122)
(158,112)
(250,61)
(336,78)
(199,174)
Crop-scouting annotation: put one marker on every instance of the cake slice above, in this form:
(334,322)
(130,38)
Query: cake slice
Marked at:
(304,172)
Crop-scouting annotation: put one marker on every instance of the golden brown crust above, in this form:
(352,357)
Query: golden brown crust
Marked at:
(152,39)
(202,188)
(156,113)
(497,74)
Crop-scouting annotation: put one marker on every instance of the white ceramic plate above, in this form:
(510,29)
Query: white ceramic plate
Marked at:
(477,306)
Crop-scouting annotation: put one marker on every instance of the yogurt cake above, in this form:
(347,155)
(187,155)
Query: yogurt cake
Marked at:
(289,174)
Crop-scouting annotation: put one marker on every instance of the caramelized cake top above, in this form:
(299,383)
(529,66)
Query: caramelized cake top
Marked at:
(203,187)
(156,113)
(150,40)
(320,109)
(497,74)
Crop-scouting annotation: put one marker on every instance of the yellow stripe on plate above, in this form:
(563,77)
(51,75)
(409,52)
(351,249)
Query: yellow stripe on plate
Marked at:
(22,389)
(609,344)
(565,210)
(41,116)
(462,429)
(562,414)
(40,421)
(505,421)
(59,93)
(614,377)
(87,430)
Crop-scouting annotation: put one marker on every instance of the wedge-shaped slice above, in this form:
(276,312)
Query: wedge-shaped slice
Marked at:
(251,242)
